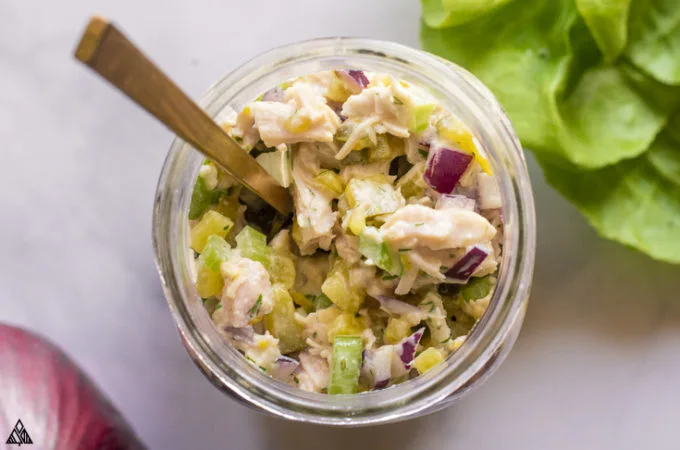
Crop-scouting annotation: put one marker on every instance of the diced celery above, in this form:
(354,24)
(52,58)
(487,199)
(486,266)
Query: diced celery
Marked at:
(277,164)
(337,288)
(228,205)
(428,359)
(477,288)
(345,324)
(215,252)
(421,117)
(282,270)
(345,131)
(202,198)
(253,245)
(412,184)
(208,283)
(331,181)
(372,247)
(322,302)
(280,322)
(356,222)
(212,223)
(397,329)
(389,147)
(376,196)
(302,301)
(345,365)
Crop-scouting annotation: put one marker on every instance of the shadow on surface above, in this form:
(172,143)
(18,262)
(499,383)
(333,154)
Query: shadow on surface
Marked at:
(284,435)
(599,286)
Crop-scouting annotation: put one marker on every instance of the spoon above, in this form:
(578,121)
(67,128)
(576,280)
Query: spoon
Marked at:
(109,53)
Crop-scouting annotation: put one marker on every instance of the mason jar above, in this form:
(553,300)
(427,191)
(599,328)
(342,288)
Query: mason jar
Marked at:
(489,341)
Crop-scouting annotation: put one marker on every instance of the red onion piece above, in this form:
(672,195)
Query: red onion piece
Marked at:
(445,167)
(245,334)
(489,194)
(58,405)
(356,80)
(284,367)
(397,307)
(463,269)
(455,201)
(406,349)
(273,95)
(376,367)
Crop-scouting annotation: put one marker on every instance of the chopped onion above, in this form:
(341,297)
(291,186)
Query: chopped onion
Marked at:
(455,201)
(355,79)
(273,95)
(489,195)
(376,369)
(397,307)
(245,334)
(445,167)
(406,349)
(284,367)
(463,269)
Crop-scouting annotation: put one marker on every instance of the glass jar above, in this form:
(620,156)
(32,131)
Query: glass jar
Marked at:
(492,337)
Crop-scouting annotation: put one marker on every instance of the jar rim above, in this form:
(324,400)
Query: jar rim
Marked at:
(225,365)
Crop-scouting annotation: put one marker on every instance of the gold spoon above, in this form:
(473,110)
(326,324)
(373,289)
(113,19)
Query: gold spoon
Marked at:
(109,53)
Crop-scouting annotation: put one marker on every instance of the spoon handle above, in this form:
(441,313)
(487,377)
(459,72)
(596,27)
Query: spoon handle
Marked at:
(109,53)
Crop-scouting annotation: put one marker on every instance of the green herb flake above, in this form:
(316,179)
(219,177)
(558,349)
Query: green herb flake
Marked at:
(255,310)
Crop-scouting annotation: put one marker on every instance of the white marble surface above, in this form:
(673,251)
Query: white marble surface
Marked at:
(597,364)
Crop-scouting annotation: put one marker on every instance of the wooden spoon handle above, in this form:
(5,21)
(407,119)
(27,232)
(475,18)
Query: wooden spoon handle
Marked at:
(109,53)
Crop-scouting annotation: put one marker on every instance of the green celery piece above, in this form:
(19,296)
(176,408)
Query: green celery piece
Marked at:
(374,249)
(446,13)
(202,198)
(631,202)
(607,21)
(215,252)
(547,72)
(280,322)
(654,38)
(322,302)
(421,117)
(345,365)
(477,287)
(282,270)
(253,245)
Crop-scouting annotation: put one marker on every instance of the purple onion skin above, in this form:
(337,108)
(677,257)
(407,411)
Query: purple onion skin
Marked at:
(382,384)
(445,167)
(408,347)
(359,76)
(465,266)
(284,367)
(273,95)
(56,397)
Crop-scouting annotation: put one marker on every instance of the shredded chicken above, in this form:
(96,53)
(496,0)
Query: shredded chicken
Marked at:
(420,226)
(247,293)
(314,372)
(313,211)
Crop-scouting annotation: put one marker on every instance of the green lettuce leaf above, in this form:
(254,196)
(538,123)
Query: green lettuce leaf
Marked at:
(632,202)
(547,72)
(446,13)
(608,23)
(654,38)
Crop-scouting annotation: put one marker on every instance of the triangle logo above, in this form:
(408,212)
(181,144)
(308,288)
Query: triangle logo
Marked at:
(19,435)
